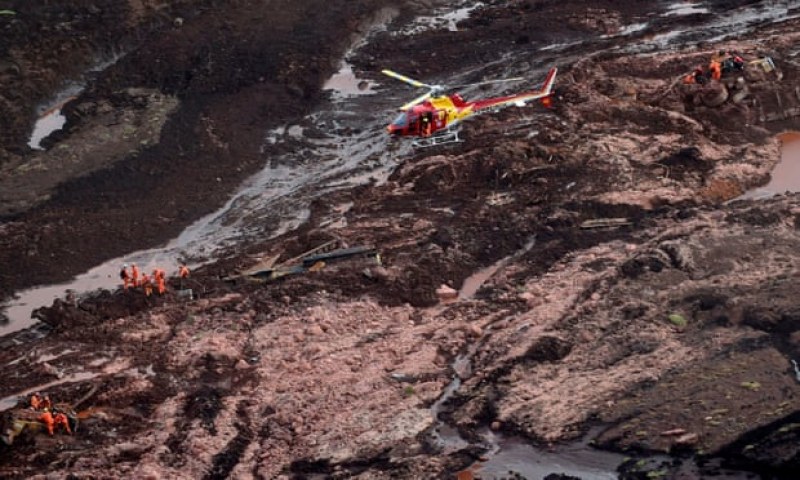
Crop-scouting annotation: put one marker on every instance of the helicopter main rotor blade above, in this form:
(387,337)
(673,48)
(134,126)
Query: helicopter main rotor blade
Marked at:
(487,82)
(408,80)
(417,100)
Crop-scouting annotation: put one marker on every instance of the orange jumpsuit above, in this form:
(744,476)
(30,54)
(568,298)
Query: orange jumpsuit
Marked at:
(161,285)
(46,404)
(147,285)
(47,418)
(159,274)
(716,69)
(183,272)
(36,402)
(135,275)
(61,419)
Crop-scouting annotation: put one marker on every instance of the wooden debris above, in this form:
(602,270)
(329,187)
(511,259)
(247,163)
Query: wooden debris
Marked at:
(606,223)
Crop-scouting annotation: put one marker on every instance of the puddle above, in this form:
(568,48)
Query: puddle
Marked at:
(577,459)
(475,281)
(345,82)
(50,117)
(48,123)
(786,175)
(12,400)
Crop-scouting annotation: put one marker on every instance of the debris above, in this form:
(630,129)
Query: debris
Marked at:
(751,385)
(674,431)
(765,63)
(445,292)
(27,420)
(606,223)
(310,261)
(687,439)
(677,320)
(7,12)
(796,370)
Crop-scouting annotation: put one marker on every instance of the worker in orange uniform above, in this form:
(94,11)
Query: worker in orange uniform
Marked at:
(48,420)
(183,273)
(160,277)
(159,273)
(125,276)
(46,404)
(36,401)
(135,275)
(61,419)
(715,67)
(147,285)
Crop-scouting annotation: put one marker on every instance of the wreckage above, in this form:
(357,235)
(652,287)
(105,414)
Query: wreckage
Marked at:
(23,421)
(753,82)
(310,261)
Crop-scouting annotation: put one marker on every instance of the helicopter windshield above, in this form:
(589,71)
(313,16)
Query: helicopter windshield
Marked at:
(401,120)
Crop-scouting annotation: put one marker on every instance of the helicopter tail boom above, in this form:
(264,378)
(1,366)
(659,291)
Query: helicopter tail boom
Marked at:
(522,98)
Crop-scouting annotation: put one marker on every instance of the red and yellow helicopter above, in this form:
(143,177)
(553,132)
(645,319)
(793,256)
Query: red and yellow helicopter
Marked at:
(432,120)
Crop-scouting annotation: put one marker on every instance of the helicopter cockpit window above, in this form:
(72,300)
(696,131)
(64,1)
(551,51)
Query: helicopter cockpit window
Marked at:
(401,120)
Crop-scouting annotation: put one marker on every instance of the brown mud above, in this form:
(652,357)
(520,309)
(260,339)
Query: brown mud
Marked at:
(673,331)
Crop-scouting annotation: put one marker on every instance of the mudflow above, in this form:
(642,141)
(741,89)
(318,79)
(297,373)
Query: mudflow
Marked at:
(611,279)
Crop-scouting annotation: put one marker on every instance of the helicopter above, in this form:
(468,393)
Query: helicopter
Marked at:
(433,120)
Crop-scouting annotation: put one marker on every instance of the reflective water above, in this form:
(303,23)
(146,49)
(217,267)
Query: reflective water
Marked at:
(786,175)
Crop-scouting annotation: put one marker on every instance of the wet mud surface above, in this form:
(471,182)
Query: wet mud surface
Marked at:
(668,334)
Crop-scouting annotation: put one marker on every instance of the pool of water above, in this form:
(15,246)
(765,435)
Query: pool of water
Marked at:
(786,175)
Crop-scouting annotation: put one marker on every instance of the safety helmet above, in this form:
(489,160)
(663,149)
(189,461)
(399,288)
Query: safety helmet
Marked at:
(124,265)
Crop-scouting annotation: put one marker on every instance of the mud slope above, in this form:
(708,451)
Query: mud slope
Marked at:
(165,133)
(604,280)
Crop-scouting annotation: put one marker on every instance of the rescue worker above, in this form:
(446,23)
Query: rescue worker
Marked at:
(427,126)
(161,283)
(715,67)
(46,404)
(61,419)
(135,274)
(147,285)
(126,278)
(36,401)
(183,273)
(738,61)
(158,273)
(47,418)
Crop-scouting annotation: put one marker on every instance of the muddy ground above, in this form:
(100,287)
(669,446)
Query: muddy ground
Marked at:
(673,332)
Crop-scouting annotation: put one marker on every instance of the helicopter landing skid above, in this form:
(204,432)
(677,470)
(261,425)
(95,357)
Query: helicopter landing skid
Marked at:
(449,136)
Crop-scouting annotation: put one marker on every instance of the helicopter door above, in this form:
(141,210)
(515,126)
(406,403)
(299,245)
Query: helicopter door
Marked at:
(414,126)
(440,119)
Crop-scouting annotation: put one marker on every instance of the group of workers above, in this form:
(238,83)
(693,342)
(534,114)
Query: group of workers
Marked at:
(721,63)
(50,416)
(158,279)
